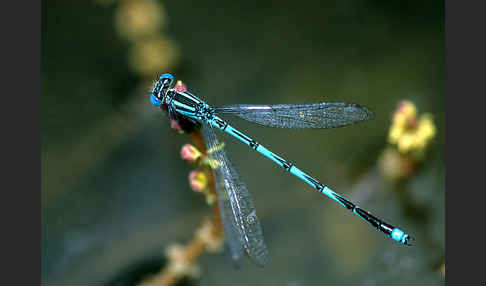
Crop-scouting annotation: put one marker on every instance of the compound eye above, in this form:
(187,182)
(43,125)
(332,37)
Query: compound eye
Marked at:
(167,75)
(166,79)
(155,101)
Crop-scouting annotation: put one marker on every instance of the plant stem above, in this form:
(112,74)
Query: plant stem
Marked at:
(189,254)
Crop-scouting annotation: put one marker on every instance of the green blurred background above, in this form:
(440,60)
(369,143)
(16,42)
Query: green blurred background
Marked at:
(115,192)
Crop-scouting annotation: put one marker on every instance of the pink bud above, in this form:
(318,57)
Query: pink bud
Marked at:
(198,180)
(180,86)
(175,125)
(190,153)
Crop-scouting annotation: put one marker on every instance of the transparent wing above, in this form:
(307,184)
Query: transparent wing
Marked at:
(240,223)
(306,115)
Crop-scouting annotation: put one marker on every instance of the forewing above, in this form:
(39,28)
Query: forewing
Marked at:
(306,115)
(240,222)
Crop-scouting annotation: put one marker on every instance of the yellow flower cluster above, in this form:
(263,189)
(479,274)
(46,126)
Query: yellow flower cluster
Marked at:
(141,22)
(410,133)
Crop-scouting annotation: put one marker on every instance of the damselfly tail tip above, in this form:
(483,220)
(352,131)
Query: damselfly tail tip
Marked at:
(409,240)
(400,236)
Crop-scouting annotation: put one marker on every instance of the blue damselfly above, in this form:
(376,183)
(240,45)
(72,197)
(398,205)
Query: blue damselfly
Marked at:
(240,223)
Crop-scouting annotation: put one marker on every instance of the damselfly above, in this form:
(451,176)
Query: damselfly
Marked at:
(240,223)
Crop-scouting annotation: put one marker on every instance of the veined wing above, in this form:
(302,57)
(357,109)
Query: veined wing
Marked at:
(306,115)
(240,224)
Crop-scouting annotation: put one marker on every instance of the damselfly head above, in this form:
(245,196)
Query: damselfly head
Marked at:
(160,88)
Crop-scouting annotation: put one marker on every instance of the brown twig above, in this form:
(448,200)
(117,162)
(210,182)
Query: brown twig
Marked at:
(208,237)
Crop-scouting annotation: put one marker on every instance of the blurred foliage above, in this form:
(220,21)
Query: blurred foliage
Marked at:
(115,192)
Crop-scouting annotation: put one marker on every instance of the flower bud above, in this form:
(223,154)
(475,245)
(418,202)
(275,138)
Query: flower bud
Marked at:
(198,181)
(190,153)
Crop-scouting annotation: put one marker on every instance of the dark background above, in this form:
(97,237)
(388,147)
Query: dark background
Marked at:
(115,191)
